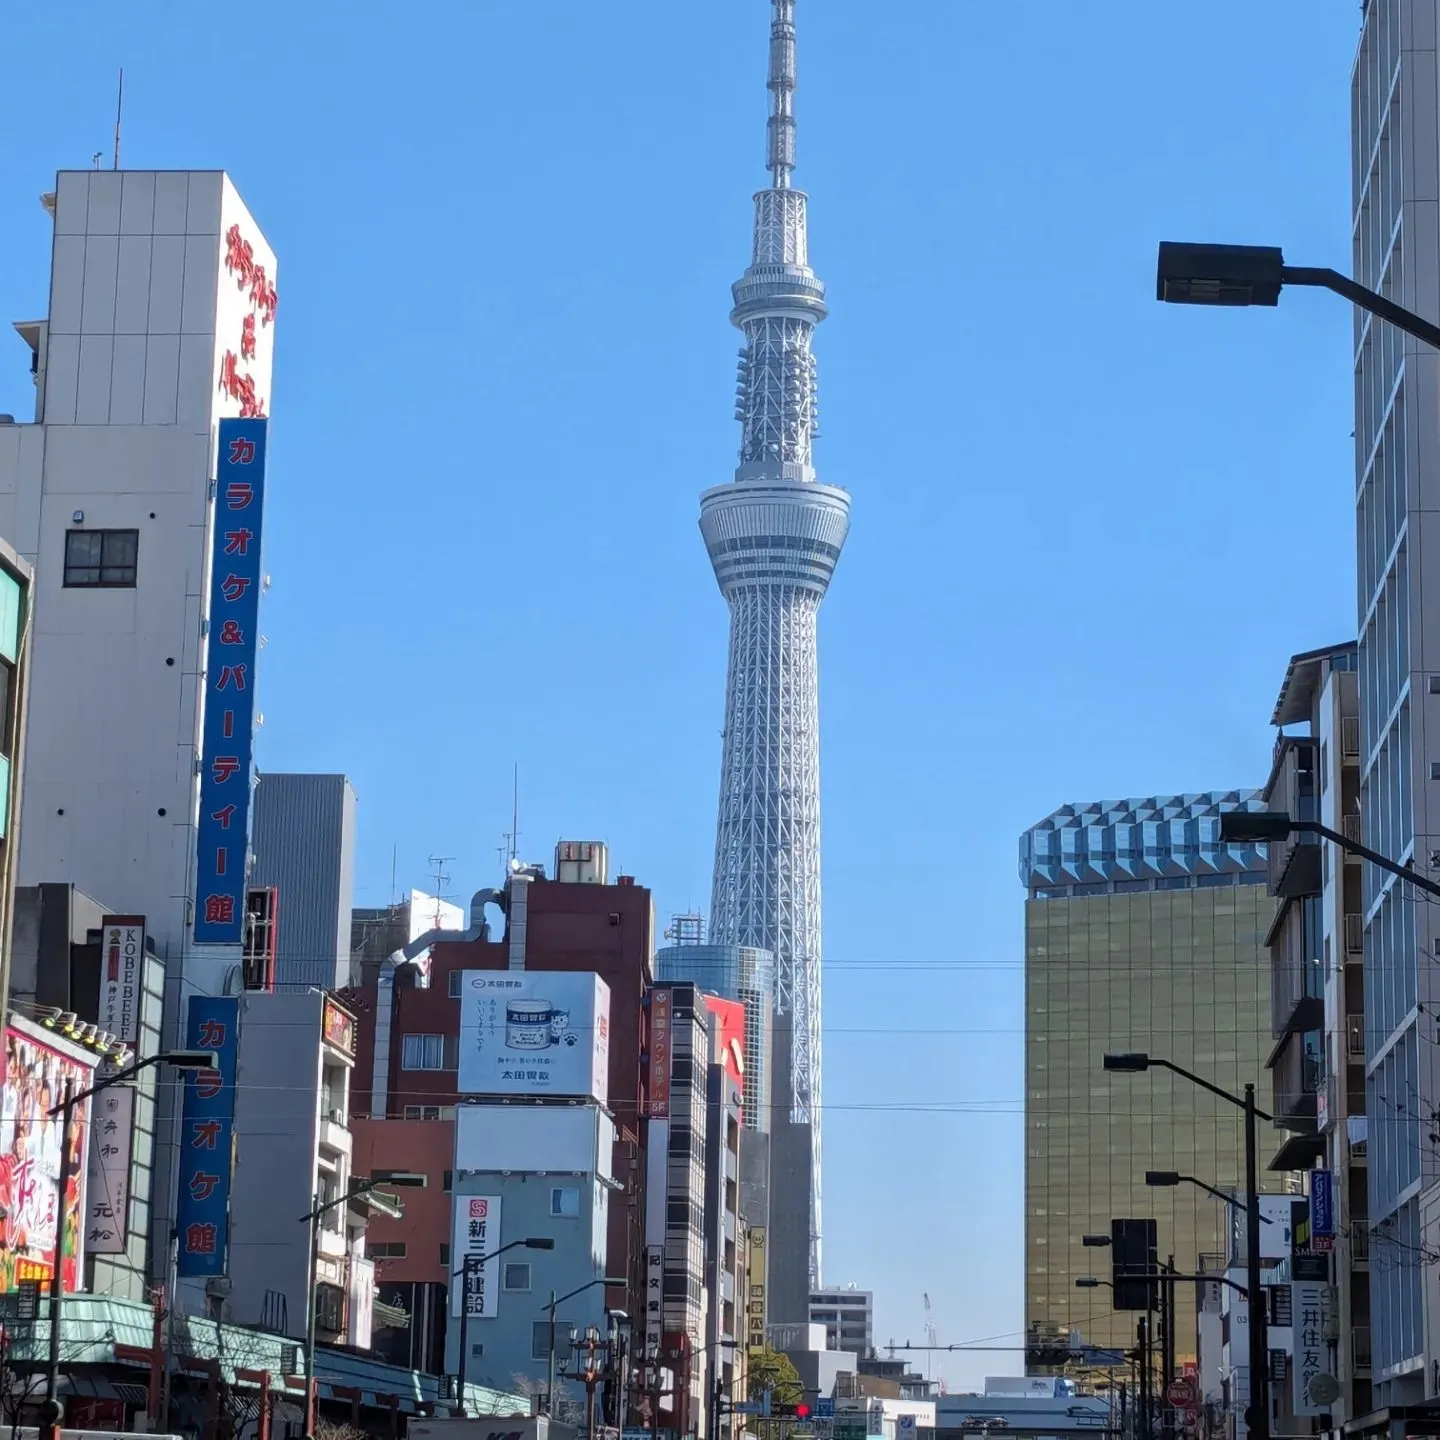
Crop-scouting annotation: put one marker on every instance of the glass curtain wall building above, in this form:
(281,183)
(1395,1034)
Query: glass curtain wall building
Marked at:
(1395,120)
(1142,932)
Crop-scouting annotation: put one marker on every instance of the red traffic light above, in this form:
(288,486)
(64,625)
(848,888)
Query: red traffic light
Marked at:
(802,1412)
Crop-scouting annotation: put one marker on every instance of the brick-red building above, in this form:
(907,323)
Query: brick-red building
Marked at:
(607,929)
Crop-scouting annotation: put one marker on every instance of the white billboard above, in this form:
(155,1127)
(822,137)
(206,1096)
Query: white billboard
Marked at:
(477,1234)
(107,1182)
(122,956)
(526,1032)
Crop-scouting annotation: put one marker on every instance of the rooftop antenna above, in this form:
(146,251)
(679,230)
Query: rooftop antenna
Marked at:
(394,867)
(512,836)
(119,110)
(442,879)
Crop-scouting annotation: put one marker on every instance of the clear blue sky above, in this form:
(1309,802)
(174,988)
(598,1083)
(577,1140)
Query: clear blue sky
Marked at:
(1088,530)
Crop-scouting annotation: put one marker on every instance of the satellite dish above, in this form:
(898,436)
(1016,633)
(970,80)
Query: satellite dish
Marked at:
(1322,1389)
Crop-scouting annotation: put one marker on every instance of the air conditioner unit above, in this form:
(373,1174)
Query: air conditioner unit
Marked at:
(337,1115)
(218,1286)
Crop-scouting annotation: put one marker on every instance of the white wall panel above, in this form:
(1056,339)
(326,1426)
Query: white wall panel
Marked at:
(162,378)
(172,193)
(92,396)
(137,202)
(527,1137)
(203,215)
(103,217)
(67,284)
(167,283)
(197,393)
(202,260)
(102,257)
(72,199)
(62,376)
(132,286)
(127,382)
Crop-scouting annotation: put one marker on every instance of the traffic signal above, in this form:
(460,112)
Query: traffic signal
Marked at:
(1134,1261)
(799,1411)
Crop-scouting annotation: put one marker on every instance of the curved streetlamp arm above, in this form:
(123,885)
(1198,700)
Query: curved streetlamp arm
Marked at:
(1365,299)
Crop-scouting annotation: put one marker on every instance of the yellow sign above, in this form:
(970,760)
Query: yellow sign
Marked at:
(755,1268)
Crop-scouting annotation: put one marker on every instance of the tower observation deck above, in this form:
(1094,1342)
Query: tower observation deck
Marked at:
(774,535)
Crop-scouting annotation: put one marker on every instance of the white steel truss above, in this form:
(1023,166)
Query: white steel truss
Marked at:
(774,535)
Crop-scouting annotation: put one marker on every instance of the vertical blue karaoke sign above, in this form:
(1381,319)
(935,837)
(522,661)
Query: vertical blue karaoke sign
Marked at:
(231,647)
(207,1139)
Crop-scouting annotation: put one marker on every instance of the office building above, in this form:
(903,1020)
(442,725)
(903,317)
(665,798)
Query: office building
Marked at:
(1395,116)
(304,851)
(726,1257)
(412,1010)
(296,1051)
(848,1315)
(774,536)
(737,973)
(529,1168)
(161,323)
(673,1351)
(160,329)
(1317,944)
(1142,933)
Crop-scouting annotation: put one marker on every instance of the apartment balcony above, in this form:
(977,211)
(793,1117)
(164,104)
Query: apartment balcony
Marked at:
(1360,1348)
(1359,1242)
(1294,863)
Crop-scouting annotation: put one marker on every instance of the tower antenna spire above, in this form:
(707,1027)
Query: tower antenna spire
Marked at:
(780,158)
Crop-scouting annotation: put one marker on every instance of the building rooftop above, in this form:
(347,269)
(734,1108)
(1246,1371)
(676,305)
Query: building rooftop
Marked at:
(1159,838)
(1304,677)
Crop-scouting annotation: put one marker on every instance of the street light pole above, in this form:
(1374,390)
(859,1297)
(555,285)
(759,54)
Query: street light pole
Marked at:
(606,1280)
(187,1060)
(1257,1416)
(356,1189)
(468,1266)
(1230,275)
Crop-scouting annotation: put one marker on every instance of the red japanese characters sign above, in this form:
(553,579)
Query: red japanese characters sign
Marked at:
(262,300)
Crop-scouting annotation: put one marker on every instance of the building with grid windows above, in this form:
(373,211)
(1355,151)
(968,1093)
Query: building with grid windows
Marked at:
(1142,932)
(1395,118)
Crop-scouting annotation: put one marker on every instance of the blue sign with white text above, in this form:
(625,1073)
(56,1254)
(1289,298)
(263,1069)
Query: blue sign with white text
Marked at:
(1322,1203)
(207,1130)
(231,647)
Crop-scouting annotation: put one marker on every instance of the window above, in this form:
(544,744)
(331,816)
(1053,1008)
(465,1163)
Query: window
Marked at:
(540,1337)
(517,1277)
(386,1249)
(457,979)
(565,1200)
(449,1181)
(445,1255)
(101,559)
(422,1052)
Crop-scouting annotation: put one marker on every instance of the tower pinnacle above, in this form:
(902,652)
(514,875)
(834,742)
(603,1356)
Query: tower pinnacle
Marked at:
(781,130)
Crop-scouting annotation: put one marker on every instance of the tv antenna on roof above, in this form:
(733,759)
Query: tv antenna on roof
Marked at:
(119,111)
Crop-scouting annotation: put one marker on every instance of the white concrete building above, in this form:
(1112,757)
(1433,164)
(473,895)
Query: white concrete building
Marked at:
(161,323)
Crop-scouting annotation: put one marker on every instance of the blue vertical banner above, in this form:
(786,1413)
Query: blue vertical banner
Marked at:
(231,647)
(1322,1206)
(207,1132)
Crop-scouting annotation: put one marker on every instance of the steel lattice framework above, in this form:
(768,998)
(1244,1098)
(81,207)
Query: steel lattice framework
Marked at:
(774,535)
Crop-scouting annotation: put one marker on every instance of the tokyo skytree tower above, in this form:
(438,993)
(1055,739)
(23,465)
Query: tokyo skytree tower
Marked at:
(774,534)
